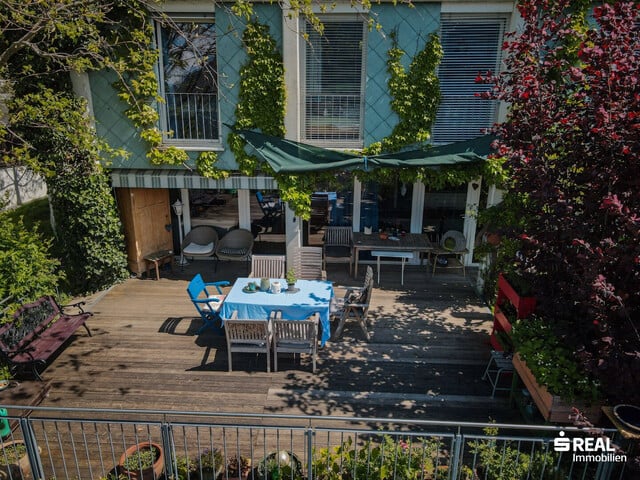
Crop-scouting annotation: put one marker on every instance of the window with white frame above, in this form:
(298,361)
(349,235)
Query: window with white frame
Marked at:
(189,84)
(334,83)
(471,45)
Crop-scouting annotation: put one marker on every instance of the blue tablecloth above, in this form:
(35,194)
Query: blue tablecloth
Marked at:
(314,296)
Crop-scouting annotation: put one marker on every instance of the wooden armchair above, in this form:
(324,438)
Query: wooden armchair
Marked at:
(354,305)
(295,336)
(307,263)
(248,336)
(267,266)
(338,246)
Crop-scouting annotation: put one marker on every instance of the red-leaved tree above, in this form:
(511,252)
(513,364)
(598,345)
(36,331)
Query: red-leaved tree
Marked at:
(572,143)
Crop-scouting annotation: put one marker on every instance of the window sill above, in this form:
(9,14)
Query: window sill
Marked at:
(195,147)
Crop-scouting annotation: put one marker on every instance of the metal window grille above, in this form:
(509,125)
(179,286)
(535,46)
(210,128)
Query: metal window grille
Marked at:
(189,82)
(334,69)
(471,45)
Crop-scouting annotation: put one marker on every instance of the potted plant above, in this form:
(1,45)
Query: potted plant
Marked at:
(280,465)
(238,467)
(143,461)
(291,279)
(210,464)
(14,462)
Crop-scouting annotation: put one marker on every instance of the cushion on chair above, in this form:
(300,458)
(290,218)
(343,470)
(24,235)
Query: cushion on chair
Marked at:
(234,251)
(216,303)
(197,249)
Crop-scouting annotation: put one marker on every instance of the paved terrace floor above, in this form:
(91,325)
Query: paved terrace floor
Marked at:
(425,360)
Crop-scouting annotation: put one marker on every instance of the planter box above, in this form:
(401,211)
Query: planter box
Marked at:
(552,408)
(524,305)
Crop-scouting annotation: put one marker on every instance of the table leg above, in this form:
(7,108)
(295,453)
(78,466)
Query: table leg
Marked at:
(157,269)
(402,272)
(378,269)
(355,270)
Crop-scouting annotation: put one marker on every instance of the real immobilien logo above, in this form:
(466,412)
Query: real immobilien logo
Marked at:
(589,449)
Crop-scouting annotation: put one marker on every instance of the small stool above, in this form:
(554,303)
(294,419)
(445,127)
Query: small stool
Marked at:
(159,258)
(499,363)
(392,253)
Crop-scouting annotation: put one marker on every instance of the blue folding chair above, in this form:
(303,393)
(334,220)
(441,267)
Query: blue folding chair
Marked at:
(208,305)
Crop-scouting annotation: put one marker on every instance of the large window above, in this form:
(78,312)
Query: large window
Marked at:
(189,83)
(471,45)
(333,96)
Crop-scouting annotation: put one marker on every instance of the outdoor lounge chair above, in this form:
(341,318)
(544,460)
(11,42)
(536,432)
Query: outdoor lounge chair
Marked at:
(354,305)
(270,206)
(235,245)
(201,241)
(248,336)
(295,336)
(207,305)
(267,266)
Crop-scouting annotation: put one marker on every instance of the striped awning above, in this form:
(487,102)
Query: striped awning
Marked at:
(185,179)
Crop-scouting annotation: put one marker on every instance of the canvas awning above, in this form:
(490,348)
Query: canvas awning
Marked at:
(288,156)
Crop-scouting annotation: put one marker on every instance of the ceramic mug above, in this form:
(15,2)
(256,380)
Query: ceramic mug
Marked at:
(276,287)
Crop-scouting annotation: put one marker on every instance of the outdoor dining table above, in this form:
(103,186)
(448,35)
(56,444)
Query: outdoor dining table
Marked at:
(311,296)
(409,242)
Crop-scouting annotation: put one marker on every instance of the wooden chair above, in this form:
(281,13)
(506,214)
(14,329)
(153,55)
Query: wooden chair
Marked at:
(452,244)
(295,336)
(248,336)
(354,305)
(338,246)
(207,305)
(307,263)
(267,266)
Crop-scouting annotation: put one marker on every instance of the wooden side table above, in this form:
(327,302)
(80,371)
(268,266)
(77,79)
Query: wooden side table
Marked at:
(159,258)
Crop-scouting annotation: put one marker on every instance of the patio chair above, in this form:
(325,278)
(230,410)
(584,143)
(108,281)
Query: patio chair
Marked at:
(338,246)
(267,266)
(307,263)
(295,336)
(452,244)
(354,305)
(207,305)
(235,245)
(201,241)
(270,206)
(248,336)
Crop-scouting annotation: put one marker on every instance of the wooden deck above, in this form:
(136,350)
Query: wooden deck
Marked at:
(426,358)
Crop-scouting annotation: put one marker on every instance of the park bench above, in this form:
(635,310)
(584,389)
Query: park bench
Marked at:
(36,331)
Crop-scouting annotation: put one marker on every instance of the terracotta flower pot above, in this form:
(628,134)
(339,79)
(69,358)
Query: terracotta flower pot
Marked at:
(146,472)
(16,467)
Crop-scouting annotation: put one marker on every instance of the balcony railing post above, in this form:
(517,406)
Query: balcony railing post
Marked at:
(309,433)
(33,453)
(168,445)
(456,455)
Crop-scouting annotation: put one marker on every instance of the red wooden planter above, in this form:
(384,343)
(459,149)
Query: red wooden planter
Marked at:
(552,407)
(524,305)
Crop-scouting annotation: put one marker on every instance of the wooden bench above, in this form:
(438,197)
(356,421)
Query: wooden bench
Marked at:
(394,254)
(37,330)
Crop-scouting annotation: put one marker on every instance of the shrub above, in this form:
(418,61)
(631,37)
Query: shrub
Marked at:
(26,269)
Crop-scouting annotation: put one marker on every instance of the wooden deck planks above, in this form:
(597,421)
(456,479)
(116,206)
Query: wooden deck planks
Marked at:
(425,360)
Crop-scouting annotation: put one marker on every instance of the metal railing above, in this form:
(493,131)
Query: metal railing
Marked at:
(192,116)
(89,443)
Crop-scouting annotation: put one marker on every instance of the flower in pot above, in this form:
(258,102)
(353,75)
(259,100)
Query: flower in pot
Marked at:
(143,461)
(238,467)
(291,279)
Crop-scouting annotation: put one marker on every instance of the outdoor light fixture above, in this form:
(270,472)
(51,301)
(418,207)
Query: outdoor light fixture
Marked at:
(177,209)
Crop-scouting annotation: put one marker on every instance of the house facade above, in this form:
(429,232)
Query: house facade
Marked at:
(337,98)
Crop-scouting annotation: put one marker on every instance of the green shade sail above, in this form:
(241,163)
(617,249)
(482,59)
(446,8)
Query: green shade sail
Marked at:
(287,156)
